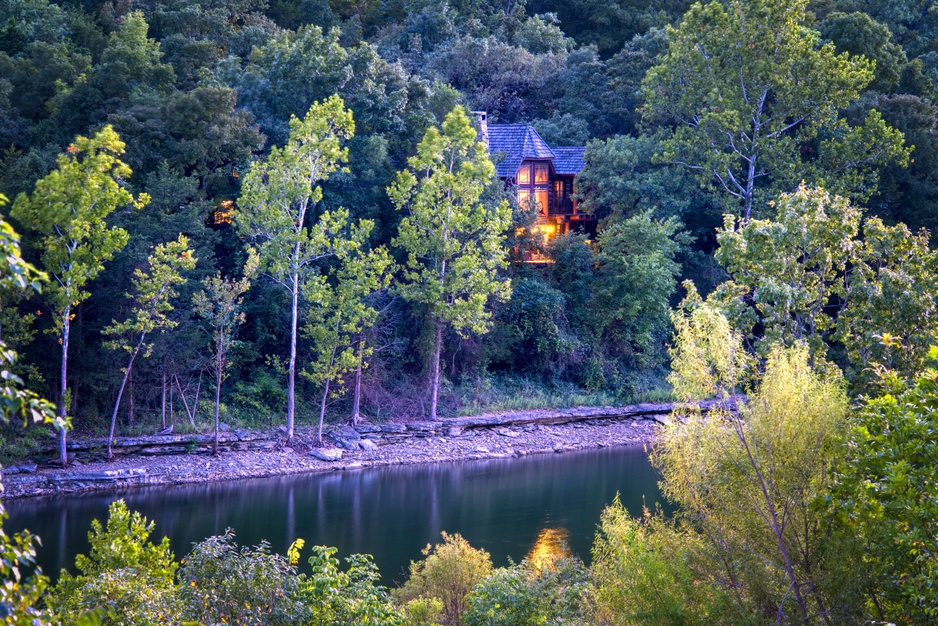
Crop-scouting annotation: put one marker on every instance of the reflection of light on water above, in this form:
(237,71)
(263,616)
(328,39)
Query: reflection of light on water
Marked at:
(551,544)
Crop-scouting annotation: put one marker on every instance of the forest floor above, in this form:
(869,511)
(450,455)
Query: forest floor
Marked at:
(29,480)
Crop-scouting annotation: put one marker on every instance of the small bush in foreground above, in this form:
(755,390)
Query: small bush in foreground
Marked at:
(336,598)
(524,595)
(448,573)
(222,583)
(126,578)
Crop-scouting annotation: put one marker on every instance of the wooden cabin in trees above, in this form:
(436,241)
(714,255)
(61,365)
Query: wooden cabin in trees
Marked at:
(541,175)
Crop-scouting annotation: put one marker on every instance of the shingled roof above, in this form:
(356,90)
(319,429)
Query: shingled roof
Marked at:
(569,160)
(518,142)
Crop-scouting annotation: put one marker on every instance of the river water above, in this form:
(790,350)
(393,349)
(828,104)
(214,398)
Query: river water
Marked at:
(510,507)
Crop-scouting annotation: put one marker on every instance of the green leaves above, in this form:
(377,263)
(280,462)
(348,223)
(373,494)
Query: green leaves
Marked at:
(747,88)
(336,598)
(885,496)
(125,577)
(278,194)
(454,243)
(153,292)
(69,209)
(810,277)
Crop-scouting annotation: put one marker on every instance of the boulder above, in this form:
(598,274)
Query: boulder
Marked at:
(326,454)
(346,437)
(368,444)
(24,468)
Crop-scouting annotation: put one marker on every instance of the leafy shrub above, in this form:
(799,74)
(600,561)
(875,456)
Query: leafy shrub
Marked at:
(448,573)
(423,612)
(126,579)
(336,598)
(221,583)
(884,497)
(642,573)
(19,594)
(525,595)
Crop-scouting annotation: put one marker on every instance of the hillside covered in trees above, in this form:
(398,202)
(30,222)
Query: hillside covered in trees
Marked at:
(278,212)
(259,185)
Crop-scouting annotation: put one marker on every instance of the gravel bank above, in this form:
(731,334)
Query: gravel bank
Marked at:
(457,445)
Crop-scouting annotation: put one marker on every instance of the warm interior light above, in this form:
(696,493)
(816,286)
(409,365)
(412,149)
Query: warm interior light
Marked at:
(223,213)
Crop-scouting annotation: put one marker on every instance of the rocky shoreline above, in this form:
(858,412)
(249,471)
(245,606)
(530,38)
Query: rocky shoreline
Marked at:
(178,460)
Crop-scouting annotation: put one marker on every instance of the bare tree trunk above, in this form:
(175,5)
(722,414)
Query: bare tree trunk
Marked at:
(435,370)
(172,415)
(185,403)
(117,403)
(291,376)
(357,394)
(218,368)
(198,390)
(322,411)
(63,386)
(130,411)
(163,399)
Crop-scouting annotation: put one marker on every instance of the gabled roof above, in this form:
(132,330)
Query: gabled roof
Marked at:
(569,160)
(518,142)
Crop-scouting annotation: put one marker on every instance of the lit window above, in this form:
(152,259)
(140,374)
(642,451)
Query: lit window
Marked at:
(524,174)
(540,195)
(540,173)
(559,190)
(223,212)
(524,196)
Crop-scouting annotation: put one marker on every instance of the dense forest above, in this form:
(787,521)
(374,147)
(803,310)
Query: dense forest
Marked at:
(182,108)
(273,212)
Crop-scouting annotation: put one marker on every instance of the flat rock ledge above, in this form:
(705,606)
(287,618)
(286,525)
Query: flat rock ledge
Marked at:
(178,459)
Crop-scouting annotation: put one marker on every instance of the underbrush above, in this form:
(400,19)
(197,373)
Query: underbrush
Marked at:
(512,393)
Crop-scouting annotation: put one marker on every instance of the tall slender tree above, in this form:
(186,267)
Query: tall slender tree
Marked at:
(343,312)
(277,205)
(219,304)
(153,291)
(454,242)
(69,208)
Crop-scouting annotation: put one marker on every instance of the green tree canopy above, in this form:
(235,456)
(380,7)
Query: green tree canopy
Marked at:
(454,243)
(68,209)
(750,94)
(819,274)
(277,208)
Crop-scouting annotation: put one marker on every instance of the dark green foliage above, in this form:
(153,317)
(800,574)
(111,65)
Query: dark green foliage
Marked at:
(220,582)
(859,34)
(609,25)
(636,277)
(531,332)
(529,595)
(199,89)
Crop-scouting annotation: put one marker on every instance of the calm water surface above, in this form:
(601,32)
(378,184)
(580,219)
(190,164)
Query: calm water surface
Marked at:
(508,507)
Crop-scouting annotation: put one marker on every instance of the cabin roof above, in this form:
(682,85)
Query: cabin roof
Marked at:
(569,160)
(518,142)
